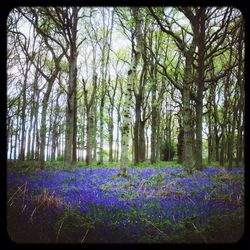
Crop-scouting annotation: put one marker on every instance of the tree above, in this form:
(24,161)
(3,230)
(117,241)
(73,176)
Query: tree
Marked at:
(81,79)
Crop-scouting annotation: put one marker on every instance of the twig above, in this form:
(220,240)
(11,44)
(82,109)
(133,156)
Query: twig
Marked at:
(32,214)
(199,232)
(208,195)
(195,227)
(174,218)
(153,226)
(141,185)
(24,207)
(34,211)
(190,199)
(59,230)
(18,189)
(84,236)
(24,192)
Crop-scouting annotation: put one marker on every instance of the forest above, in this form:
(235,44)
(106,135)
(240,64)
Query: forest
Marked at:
(125,124)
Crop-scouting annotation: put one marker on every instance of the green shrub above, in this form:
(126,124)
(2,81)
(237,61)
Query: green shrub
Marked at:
(167,151)
(54,164)
(60,158)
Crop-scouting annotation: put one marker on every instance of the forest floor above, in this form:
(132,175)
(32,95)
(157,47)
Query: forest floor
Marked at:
(150,205)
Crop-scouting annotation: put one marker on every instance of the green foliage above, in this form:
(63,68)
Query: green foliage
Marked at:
(50,64)
(11,163)
(157,180)
(211,164)
(54,164)
(167,151)
(23,165)
(71,225)
(60,158)
(158,164)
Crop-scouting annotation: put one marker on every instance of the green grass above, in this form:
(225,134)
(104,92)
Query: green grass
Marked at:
(32,164)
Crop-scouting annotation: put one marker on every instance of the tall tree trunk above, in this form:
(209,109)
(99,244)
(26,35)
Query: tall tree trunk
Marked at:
(94,132)
(104,65)
(187,119)
(31,127)
(222,149)
(89,107)
(23,115)
(118,133)
(200,33)
(158,137)
(55,127)
(88,145)
(180,145)
(137,129)
(74,140)
(10,138)
(110,130)
(147,144)
(153,122)
(231,138)
(90,136)
(210,146)
(142,148)
(240,83)
(17,130)
(29,132)
(216,124)
(37,144)
(126,122)
(70,148)
(225,115)
(43,129)
(101,129)
(83,134)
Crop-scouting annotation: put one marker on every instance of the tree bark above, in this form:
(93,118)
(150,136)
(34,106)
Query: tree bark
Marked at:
(23,115)
(29,149)
(43,129)
(187,120)
(153,124)
(90,119)
(110,131)
(199,32)
(70,148)
(126,122)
